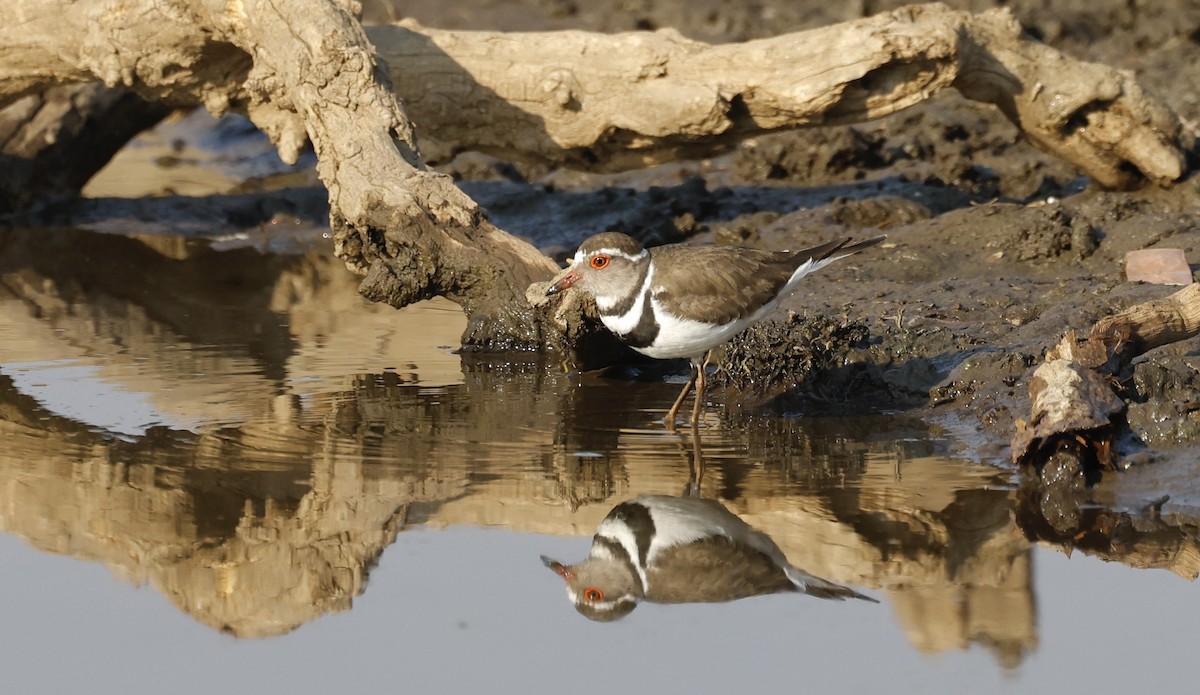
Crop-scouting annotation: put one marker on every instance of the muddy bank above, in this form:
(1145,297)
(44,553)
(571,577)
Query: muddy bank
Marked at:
(994,247)
(950,314)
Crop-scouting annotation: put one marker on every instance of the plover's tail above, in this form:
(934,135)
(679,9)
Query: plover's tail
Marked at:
(821,588)
(817,257)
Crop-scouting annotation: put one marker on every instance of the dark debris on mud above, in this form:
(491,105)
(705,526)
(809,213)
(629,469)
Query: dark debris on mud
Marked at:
(781,356)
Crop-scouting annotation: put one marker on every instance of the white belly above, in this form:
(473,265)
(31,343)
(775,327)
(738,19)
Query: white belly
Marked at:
(680,337)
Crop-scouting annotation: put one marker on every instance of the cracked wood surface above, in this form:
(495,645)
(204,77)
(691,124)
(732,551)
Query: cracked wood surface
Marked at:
(569,100)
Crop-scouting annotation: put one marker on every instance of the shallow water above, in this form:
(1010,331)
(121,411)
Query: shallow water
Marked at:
(208,450)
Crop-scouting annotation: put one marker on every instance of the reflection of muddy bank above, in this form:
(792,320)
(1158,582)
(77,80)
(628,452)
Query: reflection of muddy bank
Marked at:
(260,528)
(1060,510)
(190,336)
(257,541)
(317,435)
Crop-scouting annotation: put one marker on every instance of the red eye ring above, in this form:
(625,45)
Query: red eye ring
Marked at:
(599,262)
(592,594)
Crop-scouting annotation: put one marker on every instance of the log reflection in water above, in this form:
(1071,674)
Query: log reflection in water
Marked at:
(302,469)
(196,335)
(1056,507)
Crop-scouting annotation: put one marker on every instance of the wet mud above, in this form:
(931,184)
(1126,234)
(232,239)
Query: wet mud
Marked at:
(994,248)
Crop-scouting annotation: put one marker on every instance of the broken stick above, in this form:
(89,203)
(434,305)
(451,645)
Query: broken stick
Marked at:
(1073,392)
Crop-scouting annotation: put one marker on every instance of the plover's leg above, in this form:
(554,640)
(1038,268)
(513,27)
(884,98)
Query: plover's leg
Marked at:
(701,379)
(670,419)
(695,467)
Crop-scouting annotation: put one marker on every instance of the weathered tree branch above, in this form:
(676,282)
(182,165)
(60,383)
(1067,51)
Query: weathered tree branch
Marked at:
(306,71)
(302,71)
(570,100)
(1141,328)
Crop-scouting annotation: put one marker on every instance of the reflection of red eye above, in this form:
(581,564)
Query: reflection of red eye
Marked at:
(592,594)
(599,262)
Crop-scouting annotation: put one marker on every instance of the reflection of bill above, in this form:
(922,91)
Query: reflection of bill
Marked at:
(680,550)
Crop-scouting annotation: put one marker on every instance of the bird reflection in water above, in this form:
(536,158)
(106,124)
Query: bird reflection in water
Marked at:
(684,549)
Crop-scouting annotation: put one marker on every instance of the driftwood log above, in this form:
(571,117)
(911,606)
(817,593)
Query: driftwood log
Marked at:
(1074,392)
(52,142)
(306,71)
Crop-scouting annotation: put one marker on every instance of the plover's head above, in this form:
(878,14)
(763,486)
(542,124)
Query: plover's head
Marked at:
(608,266)
(601,588)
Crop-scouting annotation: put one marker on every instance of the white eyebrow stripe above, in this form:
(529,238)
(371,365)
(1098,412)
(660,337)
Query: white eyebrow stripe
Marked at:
(612,252)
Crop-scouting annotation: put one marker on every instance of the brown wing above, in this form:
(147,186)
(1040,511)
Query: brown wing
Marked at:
(724,283)
(713,569)
(718,283)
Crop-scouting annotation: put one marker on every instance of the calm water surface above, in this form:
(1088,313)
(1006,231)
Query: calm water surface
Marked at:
(220,470)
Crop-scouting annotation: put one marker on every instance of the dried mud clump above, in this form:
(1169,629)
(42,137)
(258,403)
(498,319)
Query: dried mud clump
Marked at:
(778,356)
(1045,233)
(829,154)
(1165,409)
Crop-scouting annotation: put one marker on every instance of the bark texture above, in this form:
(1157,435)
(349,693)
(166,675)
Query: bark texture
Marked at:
(305,71)
(570,101)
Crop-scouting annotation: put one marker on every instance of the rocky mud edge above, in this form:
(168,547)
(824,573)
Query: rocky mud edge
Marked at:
(955,313)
